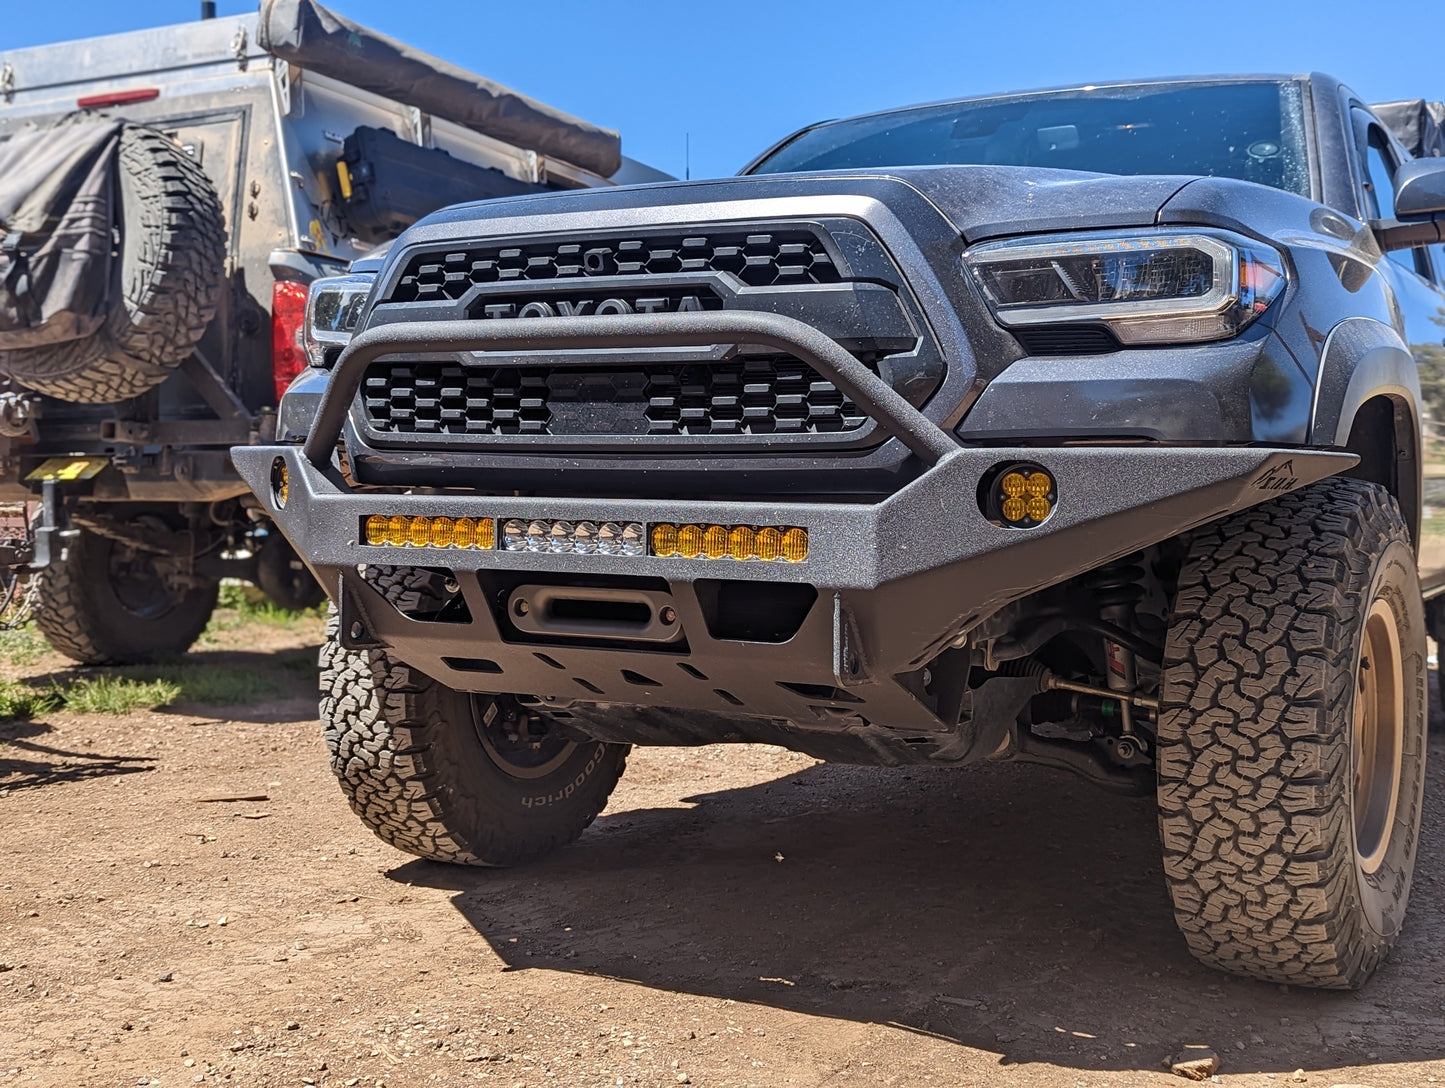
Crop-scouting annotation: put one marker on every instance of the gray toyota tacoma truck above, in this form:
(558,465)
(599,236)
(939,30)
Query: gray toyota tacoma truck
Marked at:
(1086,427)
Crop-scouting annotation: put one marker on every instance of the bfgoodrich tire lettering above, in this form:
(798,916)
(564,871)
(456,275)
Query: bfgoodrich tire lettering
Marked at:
(410,757)
(1267,660)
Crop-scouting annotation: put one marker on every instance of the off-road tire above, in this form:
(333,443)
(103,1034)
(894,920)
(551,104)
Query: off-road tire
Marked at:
(83,616)
(167,285)
(408,754)
(1257,753)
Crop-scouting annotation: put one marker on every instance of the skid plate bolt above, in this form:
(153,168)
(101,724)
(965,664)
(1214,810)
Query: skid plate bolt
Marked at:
(357,630)
(523,608)
(668,617)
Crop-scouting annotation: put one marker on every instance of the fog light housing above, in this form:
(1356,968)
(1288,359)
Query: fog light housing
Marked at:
(1018,496)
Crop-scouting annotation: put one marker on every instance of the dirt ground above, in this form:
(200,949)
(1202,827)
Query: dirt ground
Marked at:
(738,916)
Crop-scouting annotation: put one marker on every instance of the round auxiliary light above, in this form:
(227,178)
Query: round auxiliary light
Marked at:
(559,538)
(664,540)
(463,532)
(689,541)
(376,526)
(768,543)
(280,482)
(633,540)
(715,542)
(1013,484)
(742,543)
(396,530)
(1014,509)
(443,532)
(584,538)
(795,545)
(514,536)
(609,538)
(537,536)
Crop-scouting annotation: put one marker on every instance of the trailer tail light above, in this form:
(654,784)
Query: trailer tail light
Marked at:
(288,333)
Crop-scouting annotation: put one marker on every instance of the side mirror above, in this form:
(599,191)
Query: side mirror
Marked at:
(1420,188)
(1419,206)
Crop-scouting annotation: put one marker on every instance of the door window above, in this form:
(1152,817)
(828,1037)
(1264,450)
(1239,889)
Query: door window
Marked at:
(1377,164)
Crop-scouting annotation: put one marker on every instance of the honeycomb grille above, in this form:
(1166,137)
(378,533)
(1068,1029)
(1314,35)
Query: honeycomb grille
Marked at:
(756,395)
(758,259)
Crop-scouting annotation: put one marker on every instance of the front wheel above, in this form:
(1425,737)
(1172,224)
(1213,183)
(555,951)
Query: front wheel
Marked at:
(450,776)
(1292,737)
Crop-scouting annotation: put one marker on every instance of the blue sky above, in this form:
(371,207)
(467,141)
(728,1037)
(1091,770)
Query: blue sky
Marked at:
(738,74)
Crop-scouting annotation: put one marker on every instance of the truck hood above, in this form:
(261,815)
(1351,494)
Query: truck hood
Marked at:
(980,201)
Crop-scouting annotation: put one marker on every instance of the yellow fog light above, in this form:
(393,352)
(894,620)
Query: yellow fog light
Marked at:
(396,527)
(1020,496)
(769,544)
(376,526)
(464,533)
(795,545)
(714,542)
(742,542)
(689,541)
(443,533)
(664,540)
(280,482)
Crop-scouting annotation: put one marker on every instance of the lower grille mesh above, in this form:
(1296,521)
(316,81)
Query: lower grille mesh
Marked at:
(756,395)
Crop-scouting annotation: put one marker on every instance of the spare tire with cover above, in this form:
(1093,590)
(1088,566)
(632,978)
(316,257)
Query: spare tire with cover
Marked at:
(163,285)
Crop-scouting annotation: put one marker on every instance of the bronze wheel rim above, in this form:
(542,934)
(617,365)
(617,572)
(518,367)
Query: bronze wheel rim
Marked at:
(1378,736)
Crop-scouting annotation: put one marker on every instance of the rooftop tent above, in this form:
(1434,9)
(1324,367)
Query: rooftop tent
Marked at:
(316,38)
(1417,124)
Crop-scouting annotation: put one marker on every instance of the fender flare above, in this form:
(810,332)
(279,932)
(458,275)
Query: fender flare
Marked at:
(1362,360)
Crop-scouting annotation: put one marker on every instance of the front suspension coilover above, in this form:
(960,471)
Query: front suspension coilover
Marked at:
(1117,589)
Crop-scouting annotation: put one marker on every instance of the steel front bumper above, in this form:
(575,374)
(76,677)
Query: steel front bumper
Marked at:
(896,582)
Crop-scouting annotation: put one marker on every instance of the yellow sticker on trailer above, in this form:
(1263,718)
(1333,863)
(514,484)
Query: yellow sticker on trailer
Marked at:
(67,469)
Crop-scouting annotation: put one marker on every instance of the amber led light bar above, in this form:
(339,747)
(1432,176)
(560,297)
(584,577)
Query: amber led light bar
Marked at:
(399,531)
(730,542)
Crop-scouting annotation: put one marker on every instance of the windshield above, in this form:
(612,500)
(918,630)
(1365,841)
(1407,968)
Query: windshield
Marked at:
(1250,130)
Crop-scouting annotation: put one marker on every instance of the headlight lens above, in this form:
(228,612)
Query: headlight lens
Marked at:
(1149,287)
(333,311)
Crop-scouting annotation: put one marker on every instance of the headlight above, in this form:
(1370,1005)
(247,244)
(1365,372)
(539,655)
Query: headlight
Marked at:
(1149,287)
(332,313)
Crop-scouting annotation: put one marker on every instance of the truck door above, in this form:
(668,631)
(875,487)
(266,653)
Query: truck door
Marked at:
(1417,286)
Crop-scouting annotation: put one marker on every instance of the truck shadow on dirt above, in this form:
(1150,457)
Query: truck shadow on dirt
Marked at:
(27,762)
(1011,909)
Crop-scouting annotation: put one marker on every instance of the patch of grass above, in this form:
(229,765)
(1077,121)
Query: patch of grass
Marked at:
(240,604)
(109,693)
(121,691)
(22,646)
(19,700)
